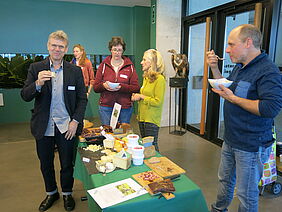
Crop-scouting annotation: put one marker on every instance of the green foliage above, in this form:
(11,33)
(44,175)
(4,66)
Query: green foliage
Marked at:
(13,72)
(68,57)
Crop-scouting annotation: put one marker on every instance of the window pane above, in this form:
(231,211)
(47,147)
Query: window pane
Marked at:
(195,6)
(196,67)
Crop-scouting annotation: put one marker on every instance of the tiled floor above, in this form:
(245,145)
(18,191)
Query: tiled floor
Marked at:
(21,185)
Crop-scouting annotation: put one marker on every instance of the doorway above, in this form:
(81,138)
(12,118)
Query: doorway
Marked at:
(223,19)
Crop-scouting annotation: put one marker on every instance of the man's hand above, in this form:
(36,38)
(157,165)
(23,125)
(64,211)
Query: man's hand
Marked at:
(249,105)
(225,93)
(72,130)
(43,76)
(107,87)
(212,59)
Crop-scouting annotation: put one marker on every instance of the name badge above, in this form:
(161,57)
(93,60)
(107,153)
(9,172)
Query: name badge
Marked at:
(123,76)
(71,88)
(87,160)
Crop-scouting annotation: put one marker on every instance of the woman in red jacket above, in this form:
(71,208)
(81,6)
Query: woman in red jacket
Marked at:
(117,69)
(85,64)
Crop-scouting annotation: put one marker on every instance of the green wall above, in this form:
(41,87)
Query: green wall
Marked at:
(141,39)
(26,25)
(15,109)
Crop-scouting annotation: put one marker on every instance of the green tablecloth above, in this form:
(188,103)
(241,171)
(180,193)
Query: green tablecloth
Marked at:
(188,196)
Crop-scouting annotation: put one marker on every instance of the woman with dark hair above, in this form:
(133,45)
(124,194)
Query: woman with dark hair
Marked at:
(116,80)
(85,64)
(151,96)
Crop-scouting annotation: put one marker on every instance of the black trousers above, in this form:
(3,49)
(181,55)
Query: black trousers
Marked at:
(45,152)
(150,129)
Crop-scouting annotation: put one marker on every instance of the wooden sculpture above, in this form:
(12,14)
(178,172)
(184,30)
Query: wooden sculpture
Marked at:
(180,64)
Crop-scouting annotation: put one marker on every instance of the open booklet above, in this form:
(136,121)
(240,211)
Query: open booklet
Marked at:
(116,192)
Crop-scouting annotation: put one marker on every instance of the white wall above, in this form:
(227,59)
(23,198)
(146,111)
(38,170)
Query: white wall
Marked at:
(168,36)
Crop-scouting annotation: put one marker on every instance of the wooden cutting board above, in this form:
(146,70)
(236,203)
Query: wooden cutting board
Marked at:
(141,179)
(165,168)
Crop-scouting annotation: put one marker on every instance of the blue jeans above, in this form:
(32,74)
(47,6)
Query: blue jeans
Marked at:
(150,129)
(245,169)
(105,114)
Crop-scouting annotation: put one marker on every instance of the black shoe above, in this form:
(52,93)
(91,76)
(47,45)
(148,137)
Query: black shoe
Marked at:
(48,201)
(69,203)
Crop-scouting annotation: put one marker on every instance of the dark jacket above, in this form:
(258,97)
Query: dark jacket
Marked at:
(126,76)
(258,80)
(75,100)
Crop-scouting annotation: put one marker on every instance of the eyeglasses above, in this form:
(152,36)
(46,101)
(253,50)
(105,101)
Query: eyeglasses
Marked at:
(117,50)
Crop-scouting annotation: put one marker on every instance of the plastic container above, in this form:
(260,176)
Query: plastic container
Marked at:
(138,151)
(132,140)
(137,161)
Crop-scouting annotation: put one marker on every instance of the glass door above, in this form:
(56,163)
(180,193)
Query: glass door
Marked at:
(196,46)
(224,18)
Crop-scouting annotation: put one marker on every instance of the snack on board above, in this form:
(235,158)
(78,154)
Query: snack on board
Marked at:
(165,186)
(93,147)
(154,160)
(106,151)
(87,124)
(149,176)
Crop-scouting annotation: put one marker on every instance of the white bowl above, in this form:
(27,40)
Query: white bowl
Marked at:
(113,85)
(222,81)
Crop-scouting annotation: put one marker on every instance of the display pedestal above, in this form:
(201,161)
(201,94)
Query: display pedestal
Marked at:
(178,84)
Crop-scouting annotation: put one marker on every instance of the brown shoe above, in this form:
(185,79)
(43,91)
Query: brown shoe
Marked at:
(69,203)
(48,201)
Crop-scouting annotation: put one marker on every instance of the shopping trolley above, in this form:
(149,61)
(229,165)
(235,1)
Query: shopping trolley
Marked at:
(269,176)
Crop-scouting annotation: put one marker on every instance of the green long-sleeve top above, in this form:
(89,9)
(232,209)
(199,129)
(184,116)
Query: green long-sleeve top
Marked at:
(150,108)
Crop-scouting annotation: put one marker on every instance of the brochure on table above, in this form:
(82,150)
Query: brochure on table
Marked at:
(115,115)
(117,192)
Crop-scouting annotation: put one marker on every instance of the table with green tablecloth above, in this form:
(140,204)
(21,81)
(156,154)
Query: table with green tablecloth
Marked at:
(188,196)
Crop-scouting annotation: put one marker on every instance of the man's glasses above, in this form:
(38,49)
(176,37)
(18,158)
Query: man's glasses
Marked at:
(117,50)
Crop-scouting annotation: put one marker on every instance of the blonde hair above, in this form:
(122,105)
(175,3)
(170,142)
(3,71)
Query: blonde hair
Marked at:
(83,56)
(59,35)
(157,64)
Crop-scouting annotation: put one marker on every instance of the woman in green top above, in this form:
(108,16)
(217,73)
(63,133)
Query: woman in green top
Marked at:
(151,96)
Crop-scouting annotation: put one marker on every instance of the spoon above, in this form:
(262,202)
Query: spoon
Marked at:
(220,58)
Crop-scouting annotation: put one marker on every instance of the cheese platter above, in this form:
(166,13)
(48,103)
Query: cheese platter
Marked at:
(146,178)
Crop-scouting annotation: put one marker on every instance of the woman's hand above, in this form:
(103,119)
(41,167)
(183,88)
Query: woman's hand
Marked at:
(137,97)
(107,87)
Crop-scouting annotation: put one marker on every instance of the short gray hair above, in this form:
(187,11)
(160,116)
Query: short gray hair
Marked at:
(59,35)
(250,31)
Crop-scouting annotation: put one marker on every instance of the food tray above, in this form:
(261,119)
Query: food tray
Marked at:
(141,179)
(165,168)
